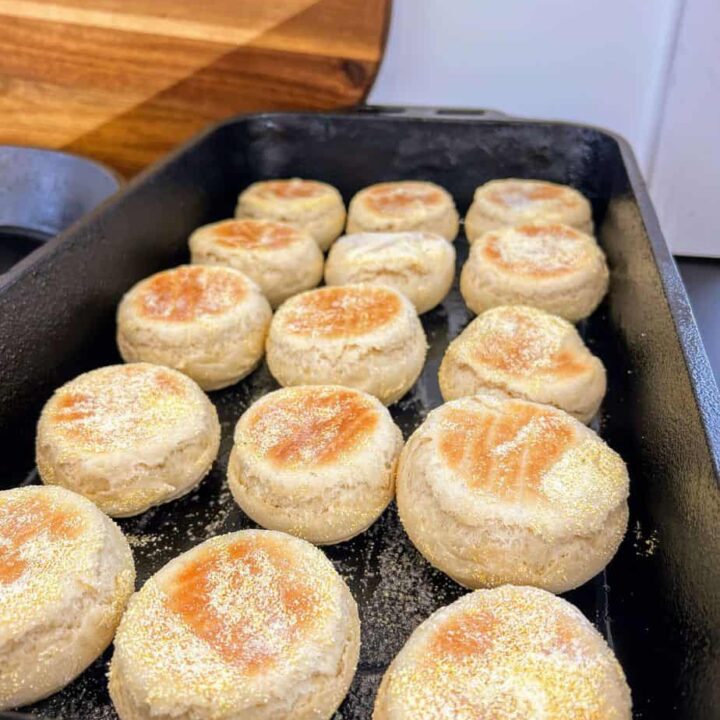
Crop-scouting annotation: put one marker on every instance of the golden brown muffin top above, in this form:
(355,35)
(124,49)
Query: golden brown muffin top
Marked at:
(342,311)
(250,234)
(291,189)
(306,427)
(402,197)
(250,600)
(189,293)
(27,522)
(537,250)
(522,341)
(505,450)
(120,407)
(513,652)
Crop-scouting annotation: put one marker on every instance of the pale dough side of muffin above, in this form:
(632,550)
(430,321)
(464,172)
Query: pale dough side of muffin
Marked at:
(418,264)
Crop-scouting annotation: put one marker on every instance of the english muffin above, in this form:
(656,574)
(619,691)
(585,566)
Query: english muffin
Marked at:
(495,490)
(315,206)
(404,205)
(553,267)
(316,461)
(504,654)
(500,203)
(207,322)
(367,337)
(66,573)
(127,437)
(253,624)
(281,259)
(526,353)
(420,265)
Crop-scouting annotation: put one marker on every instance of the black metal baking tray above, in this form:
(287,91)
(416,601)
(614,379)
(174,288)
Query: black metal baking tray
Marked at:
(658,603)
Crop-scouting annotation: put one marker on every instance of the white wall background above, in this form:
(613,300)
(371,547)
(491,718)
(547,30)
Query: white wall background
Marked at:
(603,62)
(684,171)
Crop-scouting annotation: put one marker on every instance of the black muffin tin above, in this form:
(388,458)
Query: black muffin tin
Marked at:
(658,603)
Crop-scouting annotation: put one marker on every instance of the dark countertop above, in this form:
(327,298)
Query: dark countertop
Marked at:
(702,280)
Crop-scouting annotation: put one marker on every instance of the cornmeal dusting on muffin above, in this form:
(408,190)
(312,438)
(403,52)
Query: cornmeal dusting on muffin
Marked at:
(586,483)
(246,600)
(44,544)
(120,406)
(402,198)
(341,311)
(514,452)
(293,189)
(239,607)
(512,653)
(505,450)
(537,249)
(31,530)
(519,341)
(307,427)
(529,194)
(254,234)
(189,293)
(63,584)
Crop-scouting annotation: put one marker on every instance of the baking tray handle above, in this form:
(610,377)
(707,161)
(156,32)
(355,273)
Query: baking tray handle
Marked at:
(419,111)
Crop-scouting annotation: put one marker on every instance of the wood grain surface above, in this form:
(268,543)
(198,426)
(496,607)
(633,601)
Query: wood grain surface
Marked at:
(124,81)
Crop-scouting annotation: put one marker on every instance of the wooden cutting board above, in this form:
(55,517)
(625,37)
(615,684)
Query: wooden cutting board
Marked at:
(123,81)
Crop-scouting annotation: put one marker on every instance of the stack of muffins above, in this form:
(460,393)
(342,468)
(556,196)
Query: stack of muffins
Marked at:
(503,487)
